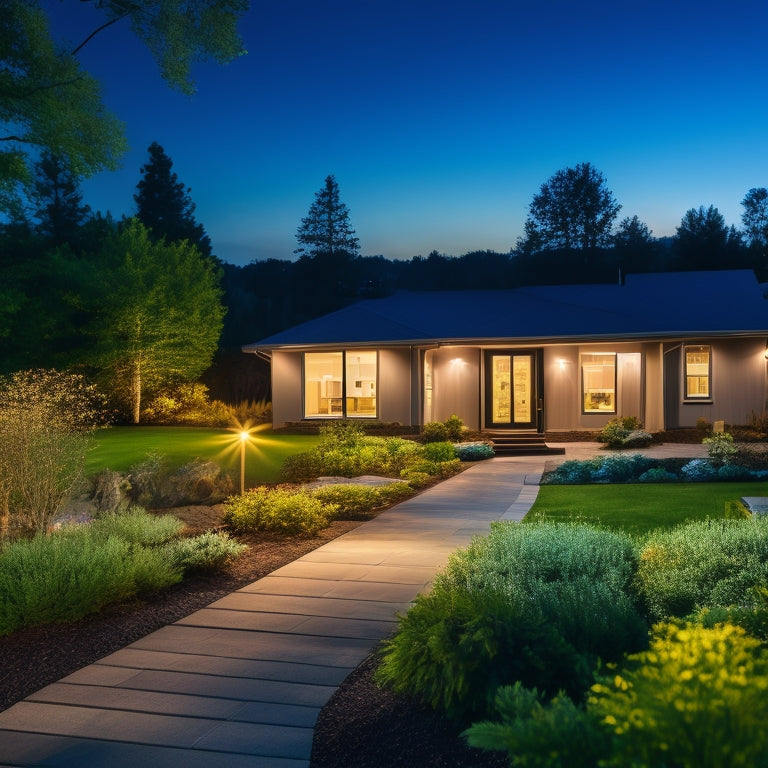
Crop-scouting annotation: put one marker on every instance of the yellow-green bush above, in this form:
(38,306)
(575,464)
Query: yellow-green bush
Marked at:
(281,510)
(355,502)
(698,698)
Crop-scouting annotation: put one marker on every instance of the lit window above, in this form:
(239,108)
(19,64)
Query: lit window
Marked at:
(598,375)
(340,384)
(698,372)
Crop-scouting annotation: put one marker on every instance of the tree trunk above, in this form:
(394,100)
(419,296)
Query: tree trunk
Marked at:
(136,391)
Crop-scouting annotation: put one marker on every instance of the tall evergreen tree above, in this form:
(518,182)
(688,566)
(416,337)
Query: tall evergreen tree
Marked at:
(325,232)
(164,205)
(60,208)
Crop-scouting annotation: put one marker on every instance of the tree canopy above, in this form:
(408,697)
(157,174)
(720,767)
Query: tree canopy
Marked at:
(48,101)
(574,210)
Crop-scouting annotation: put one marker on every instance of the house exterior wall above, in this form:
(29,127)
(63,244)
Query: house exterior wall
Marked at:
(287,377)
(738,383)
(456,384)
(395,391)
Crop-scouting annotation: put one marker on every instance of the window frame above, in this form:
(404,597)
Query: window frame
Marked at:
(341,411)
(697,398)
(582,364)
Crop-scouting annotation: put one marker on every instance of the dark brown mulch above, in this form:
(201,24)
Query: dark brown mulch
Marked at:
(362,726)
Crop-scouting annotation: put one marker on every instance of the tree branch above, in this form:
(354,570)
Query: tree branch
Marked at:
(15,138)
(96,32)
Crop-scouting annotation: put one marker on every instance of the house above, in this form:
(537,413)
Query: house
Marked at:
(669,348)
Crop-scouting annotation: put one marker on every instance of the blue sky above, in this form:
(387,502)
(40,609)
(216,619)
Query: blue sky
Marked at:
(441,120)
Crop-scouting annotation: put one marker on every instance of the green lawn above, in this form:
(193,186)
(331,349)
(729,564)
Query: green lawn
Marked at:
(118,448)
(638,508)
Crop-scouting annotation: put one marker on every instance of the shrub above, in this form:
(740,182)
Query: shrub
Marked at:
(434,432)
(454,648)
(145,480)
(703,563)
(454,428)
(699,471)
(136,527)
(435,469)
(355,502)
(301,468)
(624,431)
(657,475)
(197,482)
(439,452)
(65,575)
(720,448)
(187,404)
(280,510)
(619,468)
(474,451)
(206,552)
(696,698)
(557,734)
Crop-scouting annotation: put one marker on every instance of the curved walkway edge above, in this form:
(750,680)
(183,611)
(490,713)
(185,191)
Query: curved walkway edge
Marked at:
(242,681)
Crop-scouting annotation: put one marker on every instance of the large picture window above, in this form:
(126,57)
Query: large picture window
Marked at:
(698,372)
(598,377)
(340,384)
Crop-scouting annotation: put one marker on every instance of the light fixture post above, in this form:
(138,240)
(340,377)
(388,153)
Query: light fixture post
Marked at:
(243,440)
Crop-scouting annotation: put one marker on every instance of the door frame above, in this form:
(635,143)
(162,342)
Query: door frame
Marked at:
(536,392)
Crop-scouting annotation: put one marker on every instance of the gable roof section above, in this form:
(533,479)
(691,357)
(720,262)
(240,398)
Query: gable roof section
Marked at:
(658,305)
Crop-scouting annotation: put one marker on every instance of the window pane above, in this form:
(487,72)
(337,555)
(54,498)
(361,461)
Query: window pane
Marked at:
(521,370)
(501,389)
(598,373)
(361,384)
(322,384)
(697,371)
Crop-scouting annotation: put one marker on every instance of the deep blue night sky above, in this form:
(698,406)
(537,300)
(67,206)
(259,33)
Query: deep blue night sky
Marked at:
(441,120)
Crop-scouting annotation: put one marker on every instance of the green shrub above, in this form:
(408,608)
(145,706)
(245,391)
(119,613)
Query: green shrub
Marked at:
(434,432)
(474,451)
(454,428)
(555,734)
(416,478)
(720,448)
(280,510)
(356,502)
(736,510)
(624,432)
(206,552)
(439,452)
(455,647)
(64,576)
(695,699)
(703,563)
(136,526)
(187,404)
(657,475)
(301,468)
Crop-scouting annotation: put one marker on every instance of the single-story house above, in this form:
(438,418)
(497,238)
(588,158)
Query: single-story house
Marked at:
(668,348)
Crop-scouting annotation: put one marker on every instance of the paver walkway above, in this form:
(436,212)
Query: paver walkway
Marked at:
(241,682)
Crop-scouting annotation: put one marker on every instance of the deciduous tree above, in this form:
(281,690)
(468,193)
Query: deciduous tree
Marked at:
(755,222)
(704,241)
(158,316)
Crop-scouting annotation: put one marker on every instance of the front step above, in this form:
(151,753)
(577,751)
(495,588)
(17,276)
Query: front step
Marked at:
(520,444)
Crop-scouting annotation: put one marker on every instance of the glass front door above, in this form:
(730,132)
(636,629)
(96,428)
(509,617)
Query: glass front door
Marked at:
(510,392)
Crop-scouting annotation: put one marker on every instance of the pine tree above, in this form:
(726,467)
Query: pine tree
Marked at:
(325,232)
(164,205)
(60,211)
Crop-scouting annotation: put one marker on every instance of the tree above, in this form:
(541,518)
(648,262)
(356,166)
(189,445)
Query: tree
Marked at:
(704,241)
(755,222)
(635,247)
(158,316)
(47,100)
(574,210)
(60,209)
(164,206)
(327,247)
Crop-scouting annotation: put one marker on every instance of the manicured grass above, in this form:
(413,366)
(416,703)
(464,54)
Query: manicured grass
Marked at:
(119,448)
(642,507)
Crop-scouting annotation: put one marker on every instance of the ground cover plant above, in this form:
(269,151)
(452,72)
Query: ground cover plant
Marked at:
(76,570)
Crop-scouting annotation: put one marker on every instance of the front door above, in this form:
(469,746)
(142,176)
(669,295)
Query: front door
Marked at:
(511,389)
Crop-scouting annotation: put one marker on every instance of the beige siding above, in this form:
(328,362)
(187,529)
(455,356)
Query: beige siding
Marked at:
(394,403)
(456,384)
(286,388)
(653,418)
(561,388)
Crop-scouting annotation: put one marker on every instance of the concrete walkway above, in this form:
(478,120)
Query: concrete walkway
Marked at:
(241,682)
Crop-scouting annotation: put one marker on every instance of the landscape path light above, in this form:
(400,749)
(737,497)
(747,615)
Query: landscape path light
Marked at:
(244,437)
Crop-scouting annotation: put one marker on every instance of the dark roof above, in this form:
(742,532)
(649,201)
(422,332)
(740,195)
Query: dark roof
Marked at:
(658,305)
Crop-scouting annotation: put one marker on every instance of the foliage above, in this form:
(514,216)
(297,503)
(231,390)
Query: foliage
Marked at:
(703,563)
(49,102)
(657,475)
(46,420)
(136,527)
(187,404)
(439,452)
(699,470)
(720,447)
(703,241)
(204,553)
(357,502)
(164,206)
(279,510)
(65,575)
(534,603)
(695,699)
(158,317)
(554,734)
(455,647)
(624,432)
(451,430)
(573,210)
(755,220)
(473,451)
